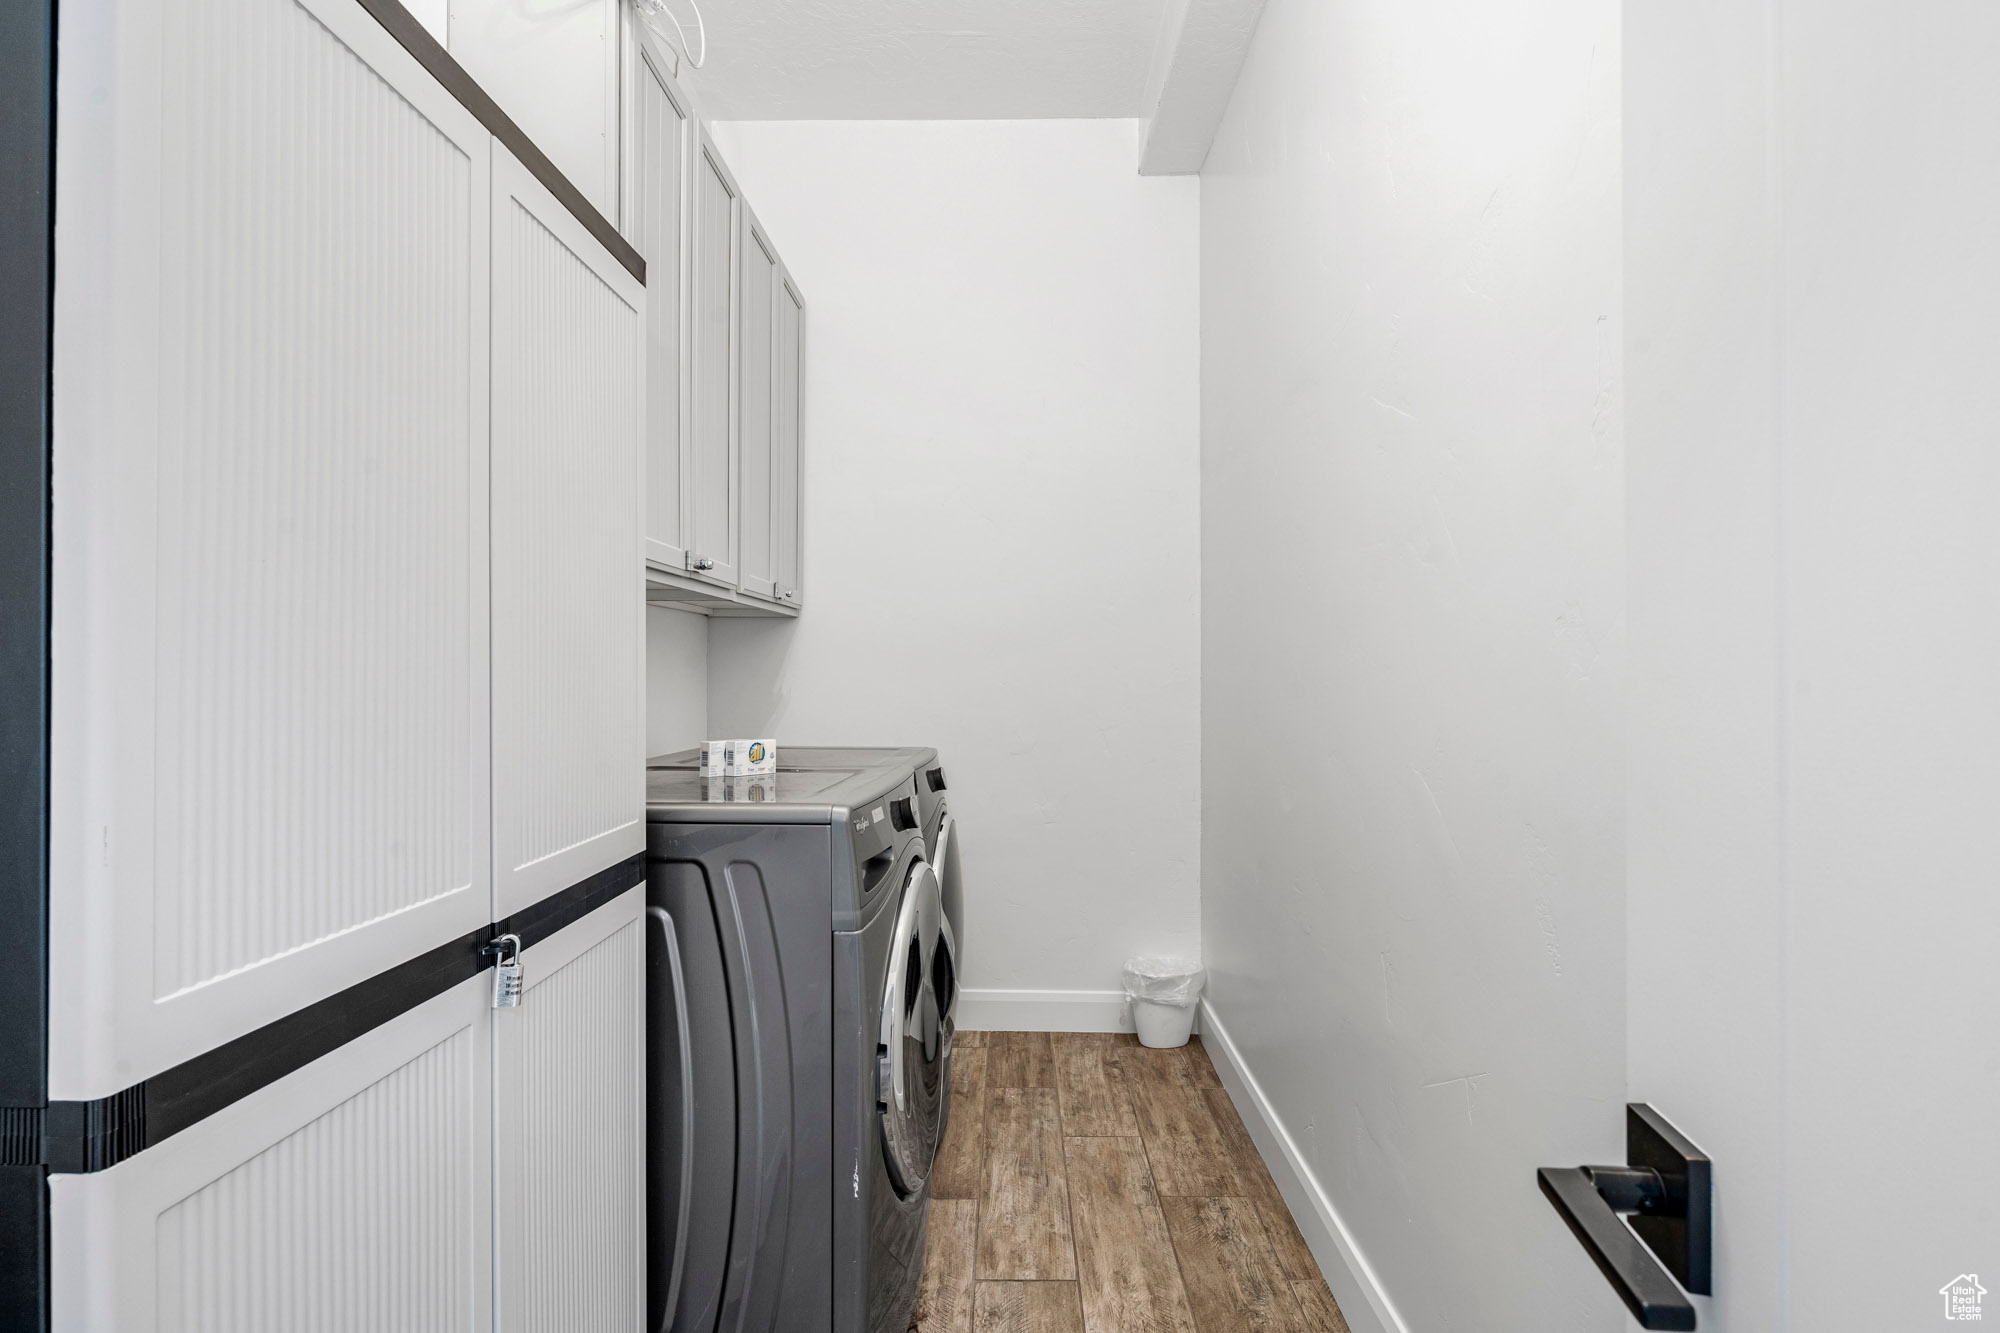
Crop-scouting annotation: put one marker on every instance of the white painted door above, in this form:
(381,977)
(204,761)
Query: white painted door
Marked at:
(660,135)
(789,400)
(352,1194)
(269,739)
(713,203)
(755,356)
(568,584)
(570,1173)
(1813,474)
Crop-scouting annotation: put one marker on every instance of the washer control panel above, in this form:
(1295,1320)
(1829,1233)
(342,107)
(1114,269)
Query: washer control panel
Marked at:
(880,826)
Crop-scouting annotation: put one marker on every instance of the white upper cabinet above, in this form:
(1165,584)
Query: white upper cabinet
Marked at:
(660,132)
(569,364)
(756,326)
(553,68)
(713,532)
(789,400)
(269,762)
(724,531)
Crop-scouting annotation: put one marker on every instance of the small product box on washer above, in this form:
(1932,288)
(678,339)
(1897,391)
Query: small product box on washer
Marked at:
(749,759)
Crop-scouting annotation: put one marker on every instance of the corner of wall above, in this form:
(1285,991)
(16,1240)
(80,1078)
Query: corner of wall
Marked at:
(676,679)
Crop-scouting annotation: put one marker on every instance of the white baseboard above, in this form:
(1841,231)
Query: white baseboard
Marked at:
(1362,1299)
(1043,1011)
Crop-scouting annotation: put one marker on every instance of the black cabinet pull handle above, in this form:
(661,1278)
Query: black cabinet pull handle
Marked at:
(1664,1187)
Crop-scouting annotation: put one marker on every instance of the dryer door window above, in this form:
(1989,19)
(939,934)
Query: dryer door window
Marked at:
(911,1058)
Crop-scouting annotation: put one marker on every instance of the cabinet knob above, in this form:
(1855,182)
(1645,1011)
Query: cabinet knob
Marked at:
(703,562)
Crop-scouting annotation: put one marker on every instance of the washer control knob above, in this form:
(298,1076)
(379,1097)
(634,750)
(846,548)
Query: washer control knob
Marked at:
(935,777)
(903,814)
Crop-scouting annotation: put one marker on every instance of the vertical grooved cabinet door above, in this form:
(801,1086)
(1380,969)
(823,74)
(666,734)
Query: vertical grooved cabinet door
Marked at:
(269,732)
(568,580)
(713,202)
(789,399)
(658,137)
(570,1165)
(757,509)
(354,1193)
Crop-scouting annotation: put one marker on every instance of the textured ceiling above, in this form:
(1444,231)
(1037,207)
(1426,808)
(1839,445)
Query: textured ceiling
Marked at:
(925,59)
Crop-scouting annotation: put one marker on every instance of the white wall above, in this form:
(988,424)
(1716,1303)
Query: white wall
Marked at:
(554,69)
(1815,436)
(676,679)
(1412,665)
(433,14)
(1001,514)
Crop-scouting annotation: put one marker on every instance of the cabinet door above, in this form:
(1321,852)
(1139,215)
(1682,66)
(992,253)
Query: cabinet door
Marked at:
(757,512)
(790,407)
(568,578)
(570,1180)
(658,139)
(269,739)
(714,202)
(354,1193)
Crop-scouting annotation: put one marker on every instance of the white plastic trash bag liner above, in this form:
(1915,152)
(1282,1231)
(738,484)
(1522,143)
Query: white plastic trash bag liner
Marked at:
(1163,992)
(1175,981)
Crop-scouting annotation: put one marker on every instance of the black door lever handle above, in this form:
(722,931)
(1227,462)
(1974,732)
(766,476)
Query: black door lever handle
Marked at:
(1655,1300)
(1664,1189)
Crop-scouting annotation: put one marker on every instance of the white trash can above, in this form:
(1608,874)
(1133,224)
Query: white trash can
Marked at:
(1163,992)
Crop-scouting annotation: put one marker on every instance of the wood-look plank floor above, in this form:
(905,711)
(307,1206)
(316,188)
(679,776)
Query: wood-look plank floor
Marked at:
(1089,1185)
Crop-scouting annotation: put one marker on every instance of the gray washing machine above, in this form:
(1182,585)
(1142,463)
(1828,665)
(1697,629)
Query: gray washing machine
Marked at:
(799,1043)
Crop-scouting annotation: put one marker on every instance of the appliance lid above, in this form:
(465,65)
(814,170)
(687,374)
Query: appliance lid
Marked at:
(811,784)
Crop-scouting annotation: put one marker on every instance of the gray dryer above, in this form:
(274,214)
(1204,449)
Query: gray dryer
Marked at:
(799,1044)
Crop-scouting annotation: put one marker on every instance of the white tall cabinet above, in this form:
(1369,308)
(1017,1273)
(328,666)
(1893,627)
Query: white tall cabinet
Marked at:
(349,458)
(270,760)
